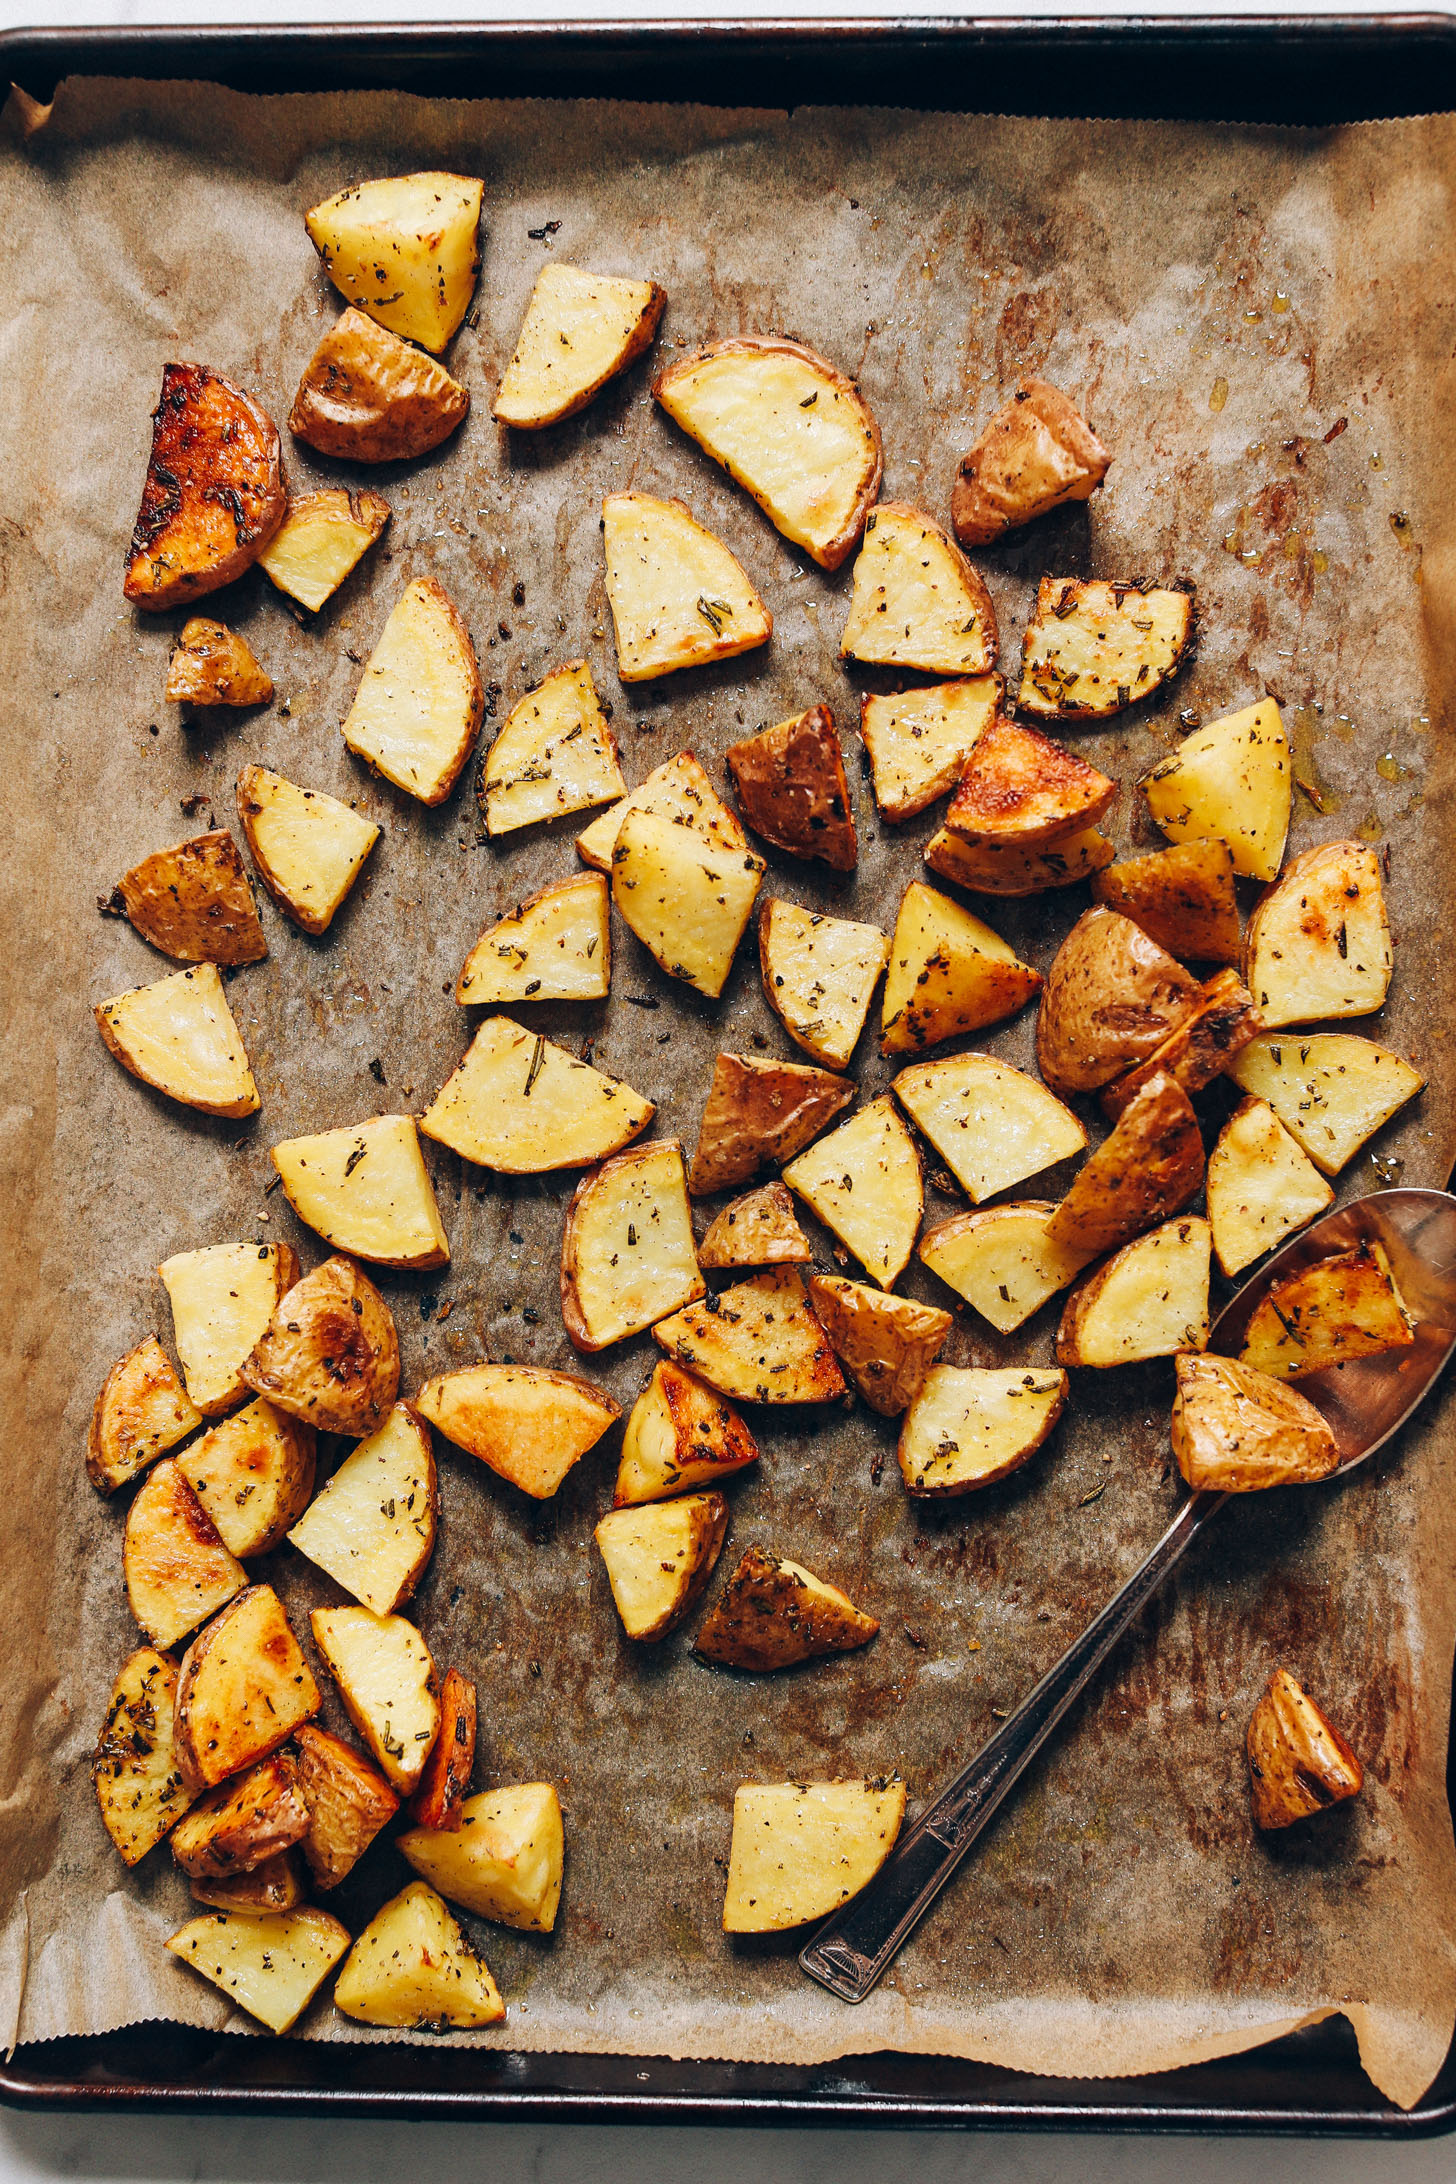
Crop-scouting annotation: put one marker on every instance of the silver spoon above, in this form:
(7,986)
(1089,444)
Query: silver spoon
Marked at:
(1365,1402)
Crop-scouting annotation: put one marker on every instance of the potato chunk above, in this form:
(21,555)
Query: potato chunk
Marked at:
(419,703)
(819,974)
(948,973)
(760,1343)
(556,947)
(991,1124)
(142,1411)
(863,1181)
(1149,1167)
(688,902)
(1092,648)
(1001,1260)
(222,1298)
(1037,453)
(887,1344)
(579,331)
(308,847)
(1343,1307)
(1183,898)
(773,1613)
(367,1191)
(348,1803)
(1318,943)
(1149,1300)
(555,754)
(214,492)
(627,1255)
(194,902)
(522,1105)
(1261,1187)
(1112,996)
(678,597)
(1023,790)
(244,1689)
(919,740)
(758,1229)
(801,1849)
(1000,868)
(1201,1048)
(503,1862)
(680,1435)
(529,1424)
(387,1682)
(678,790)
(413,1967)
(439,1798)
(179,1037)
(134,1769)
(971,1425)
(330,1353)
(917,602)
(659,1556)
(1236,1430)
(372,1527)
(275,1885)
(1230,782)
(368,397)
(760,1110)
(253,1475)
(1331,1090)
(177,1570)
(321,539)
(791,430)
(1299,1763)
(212,665)
(791,783)
(236,1826)
(403,248)
(271,1964)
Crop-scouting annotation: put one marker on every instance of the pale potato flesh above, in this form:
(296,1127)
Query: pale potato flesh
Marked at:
(556,947)
(948,973)
(972,1425)
(522,1105)
(372,1526)
(554,755)
(1002,1261)
(308,847)
(1318,944)
(222,1298)
(758,1229)
(1299,1763)
(270,1963)
(1260,1186)
(659,1556)
(412,1966)
(919,740)
(245,1687)
(863,1181)
(212,665)
(1149,1300)
(1092,648)
(1343,1307)
(678,790)
(529,1424)
(801,1849)
(1005,868)
(886,1344)
(1183,898)
(367,1191)
(627,1254)
(773,1613)
(1236,1430)
(403,249)
(992,1125)
(1331,1089)
(419,701)
(762,1344)
(1229,782)
(330,1353)
(819,974)
(348,1802)
(253,1474)
(134,1768)
(687,901)
(179,1037)
(917,602)
(680,1434)
(387,1682)
(579,331)
(504,1860)
(142,1411)
(177,1570)
(323,536)
(760,1110)
(678,597)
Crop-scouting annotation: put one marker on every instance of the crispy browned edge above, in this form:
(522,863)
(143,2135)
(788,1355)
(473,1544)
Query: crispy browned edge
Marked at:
(440,1795)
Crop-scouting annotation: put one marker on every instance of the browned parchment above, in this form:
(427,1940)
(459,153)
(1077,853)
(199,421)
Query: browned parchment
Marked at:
(1260,324)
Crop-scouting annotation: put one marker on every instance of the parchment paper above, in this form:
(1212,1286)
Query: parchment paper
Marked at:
(1260,323)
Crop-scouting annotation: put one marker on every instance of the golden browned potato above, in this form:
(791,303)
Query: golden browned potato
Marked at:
(1201,1048)
(244,1689)
(320,540)
(1022,790)
(1037,453)
(688,902)
(308,847)
(1343,1307)
(403,248)
(522,1105)
(678,597)
(886,1344)
(194,902)
(530,1424)
(439,1801)
(758,1111)
(275,1885)
(271,1965)
(580,330)
(222,1298)
(758,1229)
(800,1849)
(368,397)
(991,1124)
(864,1182)
(759,1342)
(554,755)
(556,947)
(372,1527)
(627,1253)
(791,784)
(678,790)
(1330,1089)
(367,1191)
(1001,1260)
(1112,996)
(972,1425)
(1261,1187)
(134,1768)
(142,1411)
(212,665)
(251,1817)
(253,1474)
(214,492)
(504,1859)
(386,1679)
(330,1353)
(1000,868)
(177,1570)
(680,1435)
(1092,648)
(1318,942)
(659,1556)
(1229,782)
(773,1613)
(412,1966)
(1183,898)
(917,602)
(819,975)
(419,703)
(1299,1763)
(1149,1168)
(179,1036)
(1236,1430)
(348,1803)
(919,740)
(1150,1299)
(790,429)
(948,973)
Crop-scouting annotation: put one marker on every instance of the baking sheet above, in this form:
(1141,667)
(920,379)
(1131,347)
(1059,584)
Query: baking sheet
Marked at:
(1221,300)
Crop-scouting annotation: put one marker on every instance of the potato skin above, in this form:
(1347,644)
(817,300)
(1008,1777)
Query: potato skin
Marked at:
(348,1802)
(367,397)
(330,1353)
(1037,453)
(1112,996)
(757,1112)
(768,1618)
(791,783)
(194,902)
(243,1821)
(1201,1048)
(214,492)
(1299,1763)
(1147,1170)
(1235,1430)
(886,1343)
(212,665)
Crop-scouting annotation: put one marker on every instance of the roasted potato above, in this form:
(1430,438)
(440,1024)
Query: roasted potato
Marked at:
(678,597)
(917,602)
(372,1527)
(271,1965)
(142,1411)
(368,397)
(1261,1187)
(522,1105)
(308,847)
(1149,1168)
(819,974)
(758,1111)
(403,248)
(1001,1260)
(919,740)
(503,1861)
(1037,453)
(1330,1089)
(1343,1307)
(887,1344)
(321,539)
(790,429)
(556,947)
(222,1298)
(275,1885)
(366,1190)
(1299,1763)
(688,902)
(134,1769)
(1112,996)
(863,1181)
(246,1819)
(330,1353)
(194,902)
(580,330)
(387,1681)
(627,1255)
(214,492)
(678,790)
(791,783)
(1236,1430)
(177,1570)
(970,1425)
(1000,868)
(801,1849)
(529,1424)
(244,1689)
(554,755)
(758,1229)
(419,703)
(1318,942)
(412,1966)
(1201,1048)
(179,1037)
(1183,898)
(1150,1299)
(212,665)
(757,1342)
(1092,648)
(948,974)
(348,1803)
(680,1435)
(253,1474)
(1022,790)
(773,1613)
(439,1802)
(1229,782)
(991,1124)
(659,1556)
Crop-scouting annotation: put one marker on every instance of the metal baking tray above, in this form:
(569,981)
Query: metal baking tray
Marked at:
(1252,69)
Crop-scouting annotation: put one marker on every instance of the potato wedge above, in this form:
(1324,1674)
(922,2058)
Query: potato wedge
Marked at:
(1299,1763)
(1183,898)
(244,1689)
(999,868)
(758,1342)
(1001,1260)
(1236,1431)
(679,1435)
(372,1526)
(368,397)
(413,1967)
(403,249)
(1150,1299)
(271,1965)
(678,790)
(791,430)
(688,902)
(194,902)
(678,597)
(1201,1048)
(579,331)
(142,1411)
(1318,943)
(773,1613)
(819,975)
(419,703)
(321,539)
(886,1344)
(1330,1089)
(214,492)
(1343,1307)
(1092,648)
(791,783)
(970,1425)
(801,1849)
(948,974)
(919,740)
(1261,1187)
(134,1770)
(917,602)
(387,1681)
(439,1801)
(522,1105)
(212,665)
(308,847)
(991,1124)
(330,1353)
(1230,782)
(531,1425)
(555,754)
(179,1037)
(1111,998)
(1022,790)
(758,1229)
(1149,1168)
(863,1181)
(253,1474)
(627,1255)
(760,1111)
(236,1826)
(556,947)
(177,1570)
(1037,453)
(348,1803)
(366,1190)
(222,1298)
(503,1861)
(659,1556)
(275,1885)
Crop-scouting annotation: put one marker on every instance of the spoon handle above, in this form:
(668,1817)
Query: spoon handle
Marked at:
(855,1946)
